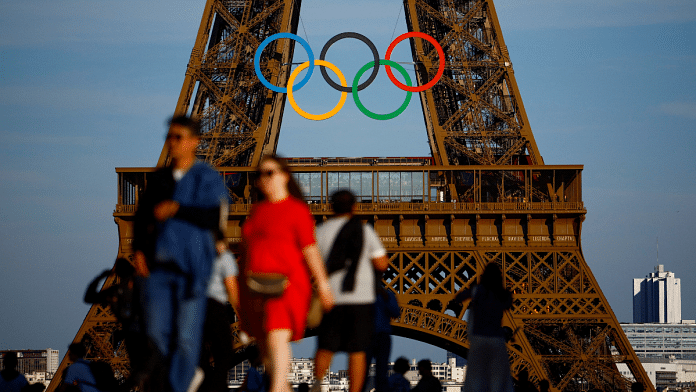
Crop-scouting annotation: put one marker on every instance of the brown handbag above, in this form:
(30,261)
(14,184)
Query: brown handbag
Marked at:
(315,313)
(267,285)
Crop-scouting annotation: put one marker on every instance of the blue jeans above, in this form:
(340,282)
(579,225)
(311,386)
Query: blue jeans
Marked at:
(174,322)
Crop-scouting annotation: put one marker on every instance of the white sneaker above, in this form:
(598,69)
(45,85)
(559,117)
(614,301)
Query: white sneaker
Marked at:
(197,380)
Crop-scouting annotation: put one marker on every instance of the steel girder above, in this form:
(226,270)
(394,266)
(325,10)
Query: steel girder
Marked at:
(240,117)
(474,115)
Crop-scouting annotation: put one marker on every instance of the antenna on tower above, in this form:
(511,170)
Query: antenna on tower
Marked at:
(657,246)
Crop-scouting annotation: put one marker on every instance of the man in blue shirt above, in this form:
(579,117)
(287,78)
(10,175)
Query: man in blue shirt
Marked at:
(174,249)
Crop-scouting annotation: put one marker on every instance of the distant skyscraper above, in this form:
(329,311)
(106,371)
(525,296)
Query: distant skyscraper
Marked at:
(459,360)
(657,298)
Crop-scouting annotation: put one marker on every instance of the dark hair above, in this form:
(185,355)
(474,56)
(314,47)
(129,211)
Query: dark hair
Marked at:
(425,366)
(193,125)
(293,187)
(492,279)
(78,350)
(35,387)
(401,365)
(342,202)
(123,268)
(9,360)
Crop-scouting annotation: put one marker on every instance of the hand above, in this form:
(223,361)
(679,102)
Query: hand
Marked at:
(141,265)
(165,210)
(325,296)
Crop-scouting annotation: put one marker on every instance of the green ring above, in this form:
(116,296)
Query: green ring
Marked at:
(362,108)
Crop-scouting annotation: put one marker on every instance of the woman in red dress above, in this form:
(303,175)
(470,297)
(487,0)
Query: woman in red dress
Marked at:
(278,237)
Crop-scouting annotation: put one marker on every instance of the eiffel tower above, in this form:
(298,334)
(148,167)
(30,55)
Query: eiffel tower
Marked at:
(484,196)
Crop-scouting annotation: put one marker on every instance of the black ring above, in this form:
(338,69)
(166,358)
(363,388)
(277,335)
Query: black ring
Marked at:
(362,38)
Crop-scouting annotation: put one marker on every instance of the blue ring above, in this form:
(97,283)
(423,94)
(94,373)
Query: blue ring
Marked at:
(257,61)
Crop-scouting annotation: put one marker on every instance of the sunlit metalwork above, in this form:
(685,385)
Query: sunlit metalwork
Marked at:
(485,195)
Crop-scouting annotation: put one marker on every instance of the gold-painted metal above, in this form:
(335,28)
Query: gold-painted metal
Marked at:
(564,328)
(99,334)
(505,206)
(474,115)
(240,117)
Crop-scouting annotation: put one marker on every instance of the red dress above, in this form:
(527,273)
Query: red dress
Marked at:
(274,235)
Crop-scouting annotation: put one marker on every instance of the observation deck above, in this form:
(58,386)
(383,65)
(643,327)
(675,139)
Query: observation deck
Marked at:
(415,204)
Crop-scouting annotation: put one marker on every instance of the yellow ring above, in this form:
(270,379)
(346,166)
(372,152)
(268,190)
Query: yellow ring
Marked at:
(317,117)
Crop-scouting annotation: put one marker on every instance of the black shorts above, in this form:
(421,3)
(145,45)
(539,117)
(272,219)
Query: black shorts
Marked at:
(347,328)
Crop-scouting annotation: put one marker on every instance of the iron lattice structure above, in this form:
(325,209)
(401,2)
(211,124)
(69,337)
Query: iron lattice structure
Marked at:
(484,196)
(240,117)
(474,116)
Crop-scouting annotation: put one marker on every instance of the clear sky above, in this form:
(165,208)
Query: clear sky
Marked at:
(87,86)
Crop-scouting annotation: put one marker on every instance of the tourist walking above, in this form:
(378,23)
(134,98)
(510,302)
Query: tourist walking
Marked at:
(216,353)
(353,252)
(174,249)
(488,365)
(278,245)
(386,308)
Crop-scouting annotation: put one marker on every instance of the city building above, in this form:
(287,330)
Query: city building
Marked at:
(675,374)
(237,373)
(459,360)
(36,361)
(52,361)
(657,298)
(302,371)
(655,340)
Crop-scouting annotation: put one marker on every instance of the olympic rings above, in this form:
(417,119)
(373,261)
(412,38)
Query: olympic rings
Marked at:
(362,108)
(343,88)
(257,60)
(316,117)
(362,38)
(440,69)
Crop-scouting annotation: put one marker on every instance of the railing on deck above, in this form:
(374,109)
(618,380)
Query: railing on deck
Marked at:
(402,189)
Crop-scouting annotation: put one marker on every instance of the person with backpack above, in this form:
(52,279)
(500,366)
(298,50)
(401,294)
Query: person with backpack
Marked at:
(353,252)
(86,375)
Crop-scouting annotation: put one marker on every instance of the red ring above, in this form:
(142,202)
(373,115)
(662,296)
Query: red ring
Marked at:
(440,70)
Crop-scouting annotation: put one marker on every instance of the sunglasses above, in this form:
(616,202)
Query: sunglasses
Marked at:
(173,136)
(267,173)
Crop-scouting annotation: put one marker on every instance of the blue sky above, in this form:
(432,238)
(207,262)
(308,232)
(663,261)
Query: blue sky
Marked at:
(86,87)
